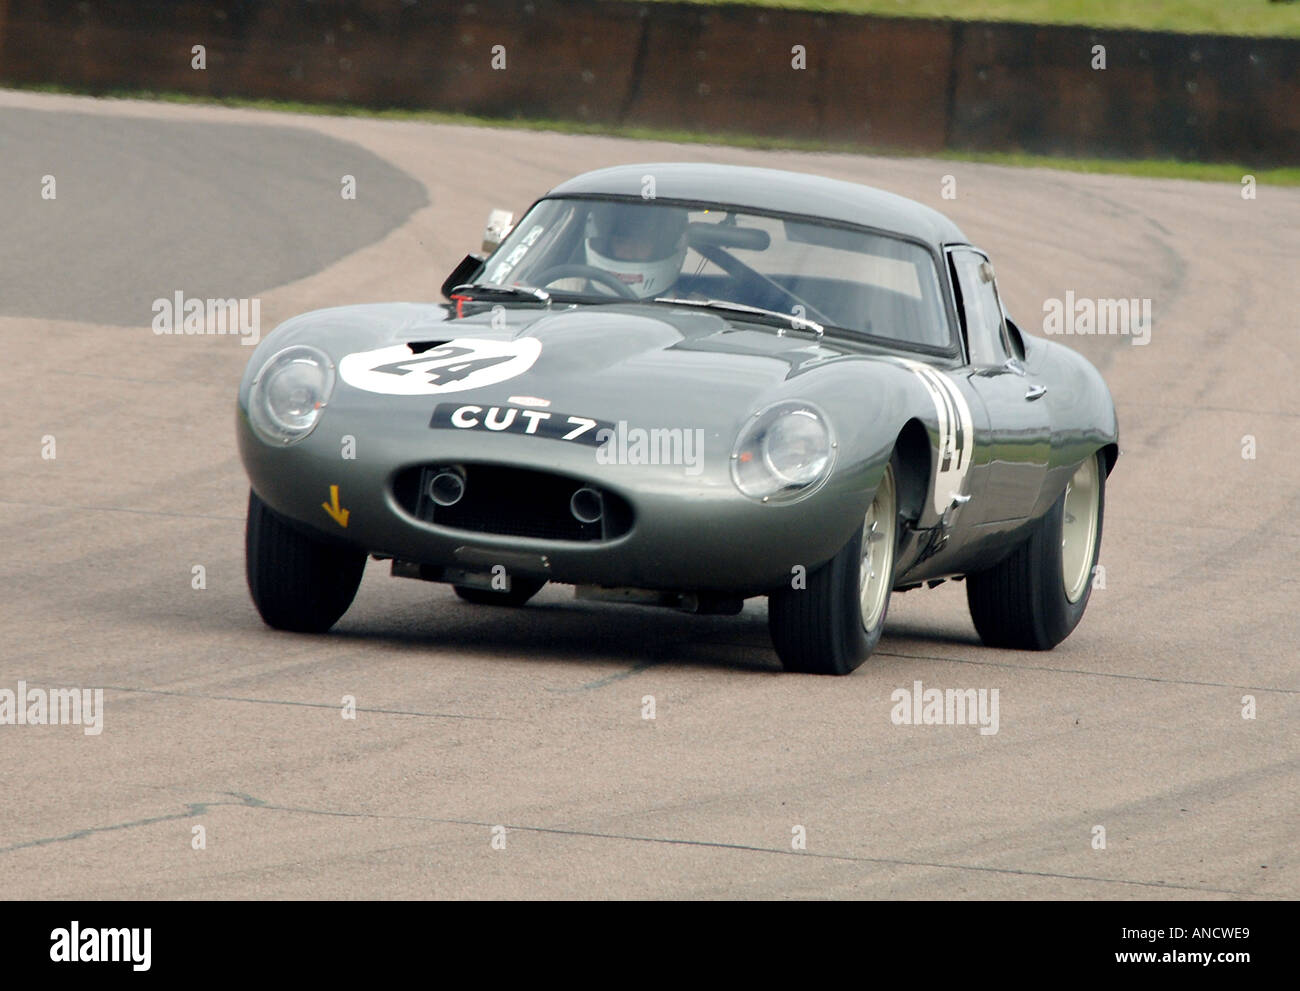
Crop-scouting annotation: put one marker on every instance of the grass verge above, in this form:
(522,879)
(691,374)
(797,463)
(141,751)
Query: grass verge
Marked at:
(1146,168)
(1258,18)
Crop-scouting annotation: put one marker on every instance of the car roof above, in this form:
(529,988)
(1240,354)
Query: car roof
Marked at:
(771,190)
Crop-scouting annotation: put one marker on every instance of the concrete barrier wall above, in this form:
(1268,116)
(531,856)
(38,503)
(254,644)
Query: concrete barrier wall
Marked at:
(905,84)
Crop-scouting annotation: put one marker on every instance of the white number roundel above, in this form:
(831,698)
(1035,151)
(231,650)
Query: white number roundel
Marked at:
(457,366)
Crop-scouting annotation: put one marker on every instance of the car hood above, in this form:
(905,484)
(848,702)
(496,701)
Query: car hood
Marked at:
(653,362)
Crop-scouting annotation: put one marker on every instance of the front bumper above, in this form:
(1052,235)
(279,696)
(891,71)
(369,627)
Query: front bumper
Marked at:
(689,531)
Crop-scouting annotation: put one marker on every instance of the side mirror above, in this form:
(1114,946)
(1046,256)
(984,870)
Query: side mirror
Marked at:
(467,271)
(499,225)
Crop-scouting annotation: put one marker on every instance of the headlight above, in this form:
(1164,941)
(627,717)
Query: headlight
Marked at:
(782,453)
(289,393)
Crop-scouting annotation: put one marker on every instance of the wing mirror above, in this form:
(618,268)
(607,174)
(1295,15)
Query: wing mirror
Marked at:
(499,225)
(469,269)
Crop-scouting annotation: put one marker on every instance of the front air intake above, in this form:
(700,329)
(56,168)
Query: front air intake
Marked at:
(512,502)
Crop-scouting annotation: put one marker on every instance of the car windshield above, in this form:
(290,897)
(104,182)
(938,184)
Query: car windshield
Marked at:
(839,277)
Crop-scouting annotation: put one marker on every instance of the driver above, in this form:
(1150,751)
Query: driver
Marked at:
(641,245)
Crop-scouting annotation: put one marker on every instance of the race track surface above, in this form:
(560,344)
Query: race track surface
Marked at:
(470,718)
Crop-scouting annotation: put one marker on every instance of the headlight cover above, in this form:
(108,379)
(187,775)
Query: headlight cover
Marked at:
(783,452)
(289,393)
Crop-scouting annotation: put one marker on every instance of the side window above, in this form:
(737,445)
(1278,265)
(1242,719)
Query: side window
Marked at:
(981,312)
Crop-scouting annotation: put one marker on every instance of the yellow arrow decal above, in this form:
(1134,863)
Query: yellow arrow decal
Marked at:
(332,507)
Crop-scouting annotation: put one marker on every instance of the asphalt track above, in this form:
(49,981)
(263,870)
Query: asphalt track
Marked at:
(469,718)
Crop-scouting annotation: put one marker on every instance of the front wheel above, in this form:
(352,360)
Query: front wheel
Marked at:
(1035,598)
(298,583)
(834,623)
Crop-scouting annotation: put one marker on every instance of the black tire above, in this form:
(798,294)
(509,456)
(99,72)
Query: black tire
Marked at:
(1021,603)
(298,583)
(819,629)
(521,590)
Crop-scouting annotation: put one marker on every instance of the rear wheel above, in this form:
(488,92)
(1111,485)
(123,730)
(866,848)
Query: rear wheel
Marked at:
(297,582)
(1035,597)
(832,625)
(521,590)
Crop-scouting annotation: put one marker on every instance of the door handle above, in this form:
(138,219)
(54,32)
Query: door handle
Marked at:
(1035,392)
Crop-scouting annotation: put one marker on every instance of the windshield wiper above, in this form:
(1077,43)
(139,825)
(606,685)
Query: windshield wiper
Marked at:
(486,290)
(757,312)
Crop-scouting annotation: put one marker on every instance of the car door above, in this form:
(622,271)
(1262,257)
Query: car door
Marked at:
(1013,453)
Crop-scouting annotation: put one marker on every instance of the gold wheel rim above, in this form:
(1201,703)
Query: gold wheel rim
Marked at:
(878,540)
(1079,528)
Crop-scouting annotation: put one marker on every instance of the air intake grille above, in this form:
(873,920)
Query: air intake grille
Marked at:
(512,502)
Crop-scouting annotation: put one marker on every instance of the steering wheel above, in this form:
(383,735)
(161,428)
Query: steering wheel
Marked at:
(589,272)
(771,294)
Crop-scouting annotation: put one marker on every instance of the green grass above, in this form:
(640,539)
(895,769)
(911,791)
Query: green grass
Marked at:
(1148,168)
(1247,17)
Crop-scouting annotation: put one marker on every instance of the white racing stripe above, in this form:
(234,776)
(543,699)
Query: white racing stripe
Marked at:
(956,432)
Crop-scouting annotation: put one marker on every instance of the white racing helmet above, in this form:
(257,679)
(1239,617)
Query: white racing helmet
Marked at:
(642,245)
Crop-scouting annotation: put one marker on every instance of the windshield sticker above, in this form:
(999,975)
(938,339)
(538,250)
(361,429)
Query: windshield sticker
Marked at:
(505,267)
(457,366)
